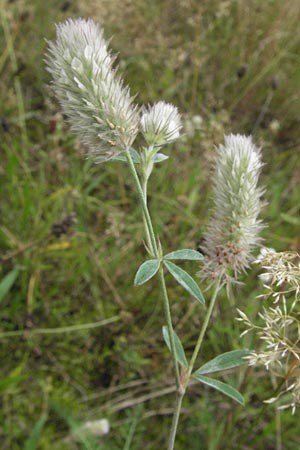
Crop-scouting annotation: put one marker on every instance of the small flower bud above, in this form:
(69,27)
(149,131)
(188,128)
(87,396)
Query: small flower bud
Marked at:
(160,123)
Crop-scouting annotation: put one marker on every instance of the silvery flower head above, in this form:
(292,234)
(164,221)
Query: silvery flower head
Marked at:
(160,123)
(234,228)
(92,95)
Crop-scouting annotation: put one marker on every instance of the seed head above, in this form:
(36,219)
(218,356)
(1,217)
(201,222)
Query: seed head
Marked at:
(234,228)
(160,123)
(278,326)
(92,95)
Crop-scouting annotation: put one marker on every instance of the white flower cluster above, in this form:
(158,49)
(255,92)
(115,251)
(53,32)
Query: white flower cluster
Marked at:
(281,275)
(234,229)
(160,123)
(280,329)
(92,95)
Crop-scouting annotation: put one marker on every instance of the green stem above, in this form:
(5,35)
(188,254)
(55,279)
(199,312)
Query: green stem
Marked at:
(148,238)
(181,393)
(68,329)
(204,328)
(143,203)
(152,241)
(169,323)
(175,420)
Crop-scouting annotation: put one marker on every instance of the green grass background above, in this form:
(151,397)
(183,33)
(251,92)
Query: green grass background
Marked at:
(234,63)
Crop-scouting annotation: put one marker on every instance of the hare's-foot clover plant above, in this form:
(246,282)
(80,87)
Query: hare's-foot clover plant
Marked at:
(104,116)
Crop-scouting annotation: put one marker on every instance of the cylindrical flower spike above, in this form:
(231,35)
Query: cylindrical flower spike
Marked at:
(160,123)
(92,95)
(234,229)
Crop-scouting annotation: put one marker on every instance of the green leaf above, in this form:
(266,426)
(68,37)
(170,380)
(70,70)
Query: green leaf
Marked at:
(32,442)
(8,281)
(12,379)
(160,157)
(225,361)
(192,255)
(146,271)
(121,156)
(222,387)
(9,381)
(290,219)
(186,281)
(179,351)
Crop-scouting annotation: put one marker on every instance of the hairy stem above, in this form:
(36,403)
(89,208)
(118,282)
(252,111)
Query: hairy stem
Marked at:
(152,242)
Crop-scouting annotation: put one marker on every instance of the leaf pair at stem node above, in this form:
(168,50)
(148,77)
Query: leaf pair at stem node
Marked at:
(149,268)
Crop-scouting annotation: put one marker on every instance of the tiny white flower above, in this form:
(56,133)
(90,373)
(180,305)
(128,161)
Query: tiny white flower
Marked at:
(265,278)
(160,123)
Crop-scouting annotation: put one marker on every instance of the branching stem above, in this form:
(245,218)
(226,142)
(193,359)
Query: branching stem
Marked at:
(181,392)
(153,247)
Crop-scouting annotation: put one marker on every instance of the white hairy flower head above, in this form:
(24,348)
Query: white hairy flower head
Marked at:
(160,123)
(234,228)
(92,95)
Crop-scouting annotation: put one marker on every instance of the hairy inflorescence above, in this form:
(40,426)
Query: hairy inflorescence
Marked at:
(98,106)
(160,123)
(234,228)
(95,100)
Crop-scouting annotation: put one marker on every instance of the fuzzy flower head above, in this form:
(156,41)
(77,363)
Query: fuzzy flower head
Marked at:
(234,228)
(161,124)
(92,95)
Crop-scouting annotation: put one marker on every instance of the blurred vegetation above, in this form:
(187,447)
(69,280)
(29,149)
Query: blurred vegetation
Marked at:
(229,66)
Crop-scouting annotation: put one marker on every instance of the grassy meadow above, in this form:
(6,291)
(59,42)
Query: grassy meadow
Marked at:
(78,342)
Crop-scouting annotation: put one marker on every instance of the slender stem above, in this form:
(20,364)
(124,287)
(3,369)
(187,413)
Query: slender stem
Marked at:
(169,322)
(70,328)
(152,240)
(278,429)
(148,238)
(175,420)
(181,393)
(204,328)
(143,202)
